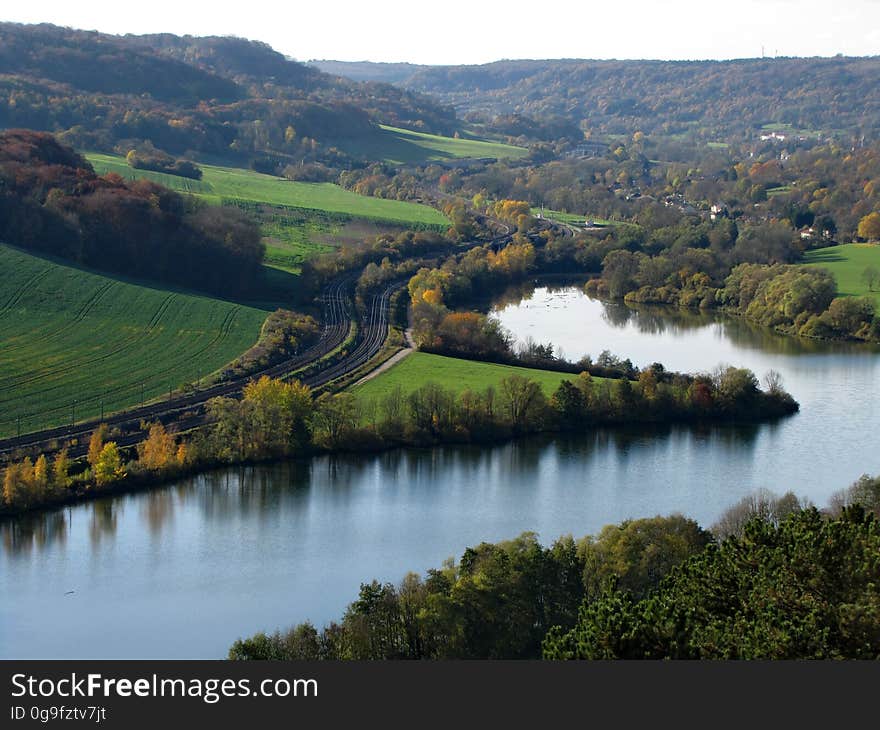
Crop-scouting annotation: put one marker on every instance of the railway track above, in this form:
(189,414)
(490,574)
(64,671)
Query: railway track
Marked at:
(336,327)
(188,410)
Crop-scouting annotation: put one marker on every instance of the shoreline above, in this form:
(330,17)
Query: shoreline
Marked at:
(147,482)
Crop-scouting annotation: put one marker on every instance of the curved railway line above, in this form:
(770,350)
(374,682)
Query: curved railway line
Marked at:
(188,410)
(336,327)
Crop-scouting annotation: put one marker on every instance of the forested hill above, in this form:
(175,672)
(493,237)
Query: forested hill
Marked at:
(716,99)
(52,202)
(222,97)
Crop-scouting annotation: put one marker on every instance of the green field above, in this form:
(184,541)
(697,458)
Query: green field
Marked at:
(782,190)
(298,220)
(571,219)
(847,263)
(221,183)
(451,373)
(399,146)
(71,338)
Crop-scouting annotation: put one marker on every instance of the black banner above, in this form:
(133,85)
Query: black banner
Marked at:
(166,694)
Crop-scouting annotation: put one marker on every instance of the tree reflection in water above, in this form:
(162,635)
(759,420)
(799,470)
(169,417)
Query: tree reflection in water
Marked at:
(34,532)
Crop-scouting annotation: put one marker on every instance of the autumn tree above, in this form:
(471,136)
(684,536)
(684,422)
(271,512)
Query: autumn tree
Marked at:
(61,469)
(18,479)
(96,444)
(108,466)
(869,227)
(158,451)
(42,481)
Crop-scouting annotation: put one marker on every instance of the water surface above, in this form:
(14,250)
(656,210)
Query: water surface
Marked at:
(183,571)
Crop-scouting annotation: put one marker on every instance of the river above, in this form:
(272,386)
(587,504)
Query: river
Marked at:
(184,570)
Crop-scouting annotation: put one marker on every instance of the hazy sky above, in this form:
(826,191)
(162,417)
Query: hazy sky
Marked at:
(474,31)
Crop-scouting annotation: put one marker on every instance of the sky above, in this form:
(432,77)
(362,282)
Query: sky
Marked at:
(466,32)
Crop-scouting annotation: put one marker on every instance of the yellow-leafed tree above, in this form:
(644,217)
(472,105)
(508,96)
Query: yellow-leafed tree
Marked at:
(108,466)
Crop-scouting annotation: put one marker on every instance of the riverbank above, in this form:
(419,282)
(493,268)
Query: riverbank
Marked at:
(427,416)
(243,548)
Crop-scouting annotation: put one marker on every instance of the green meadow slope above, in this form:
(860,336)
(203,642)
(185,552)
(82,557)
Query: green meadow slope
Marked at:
(847,263)
(453,374)
(72,338)
(401,146)
(299,220)
(234,184)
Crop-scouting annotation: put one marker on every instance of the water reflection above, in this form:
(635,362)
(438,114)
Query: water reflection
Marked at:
(103,521)
(34,532)
(268,492)
(660,320)
(258,547)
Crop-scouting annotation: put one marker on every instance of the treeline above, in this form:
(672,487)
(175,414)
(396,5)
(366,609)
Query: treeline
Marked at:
(792,299)
(283,335)
(29,484)
(148,157)
(276,419)
(497,602)
(801,589)
(788,582)
(396,249)
(476,273)
(51,201)
(621,97)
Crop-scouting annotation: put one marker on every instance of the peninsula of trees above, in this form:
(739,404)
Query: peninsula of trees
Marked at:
(774,579)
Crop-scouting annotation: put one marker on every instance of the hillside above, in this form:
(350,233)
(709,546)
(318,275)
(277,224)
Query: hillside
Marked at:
(227,184)
(848,263)
(715,99)
(74,339)
(298,220)
(52,201)
(224,98)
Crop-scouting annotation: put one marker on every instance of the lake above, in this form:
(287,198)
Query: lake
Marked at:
(184,570)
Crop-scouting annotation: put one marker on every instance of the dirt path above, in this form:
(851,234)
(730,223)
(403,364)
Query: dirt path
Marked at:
(390,362)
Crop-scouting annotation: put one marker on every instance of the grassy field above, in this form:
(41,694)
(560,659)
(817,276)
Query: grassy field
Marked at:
(402,145)
(454,374)
(298,220)
(220,183)
(846,263)
(571,218)
(71,338)
(782,190)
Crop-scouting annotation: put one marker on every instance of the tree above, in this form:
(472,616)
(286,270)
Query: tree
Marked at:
(41,476)
(18,480)
(871,275)
(96,444)
(108,466)
(158,451)
(61,470)
(336,417)
(522,401)
(803,588)
(638,554)
(869,227)
(570,403)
